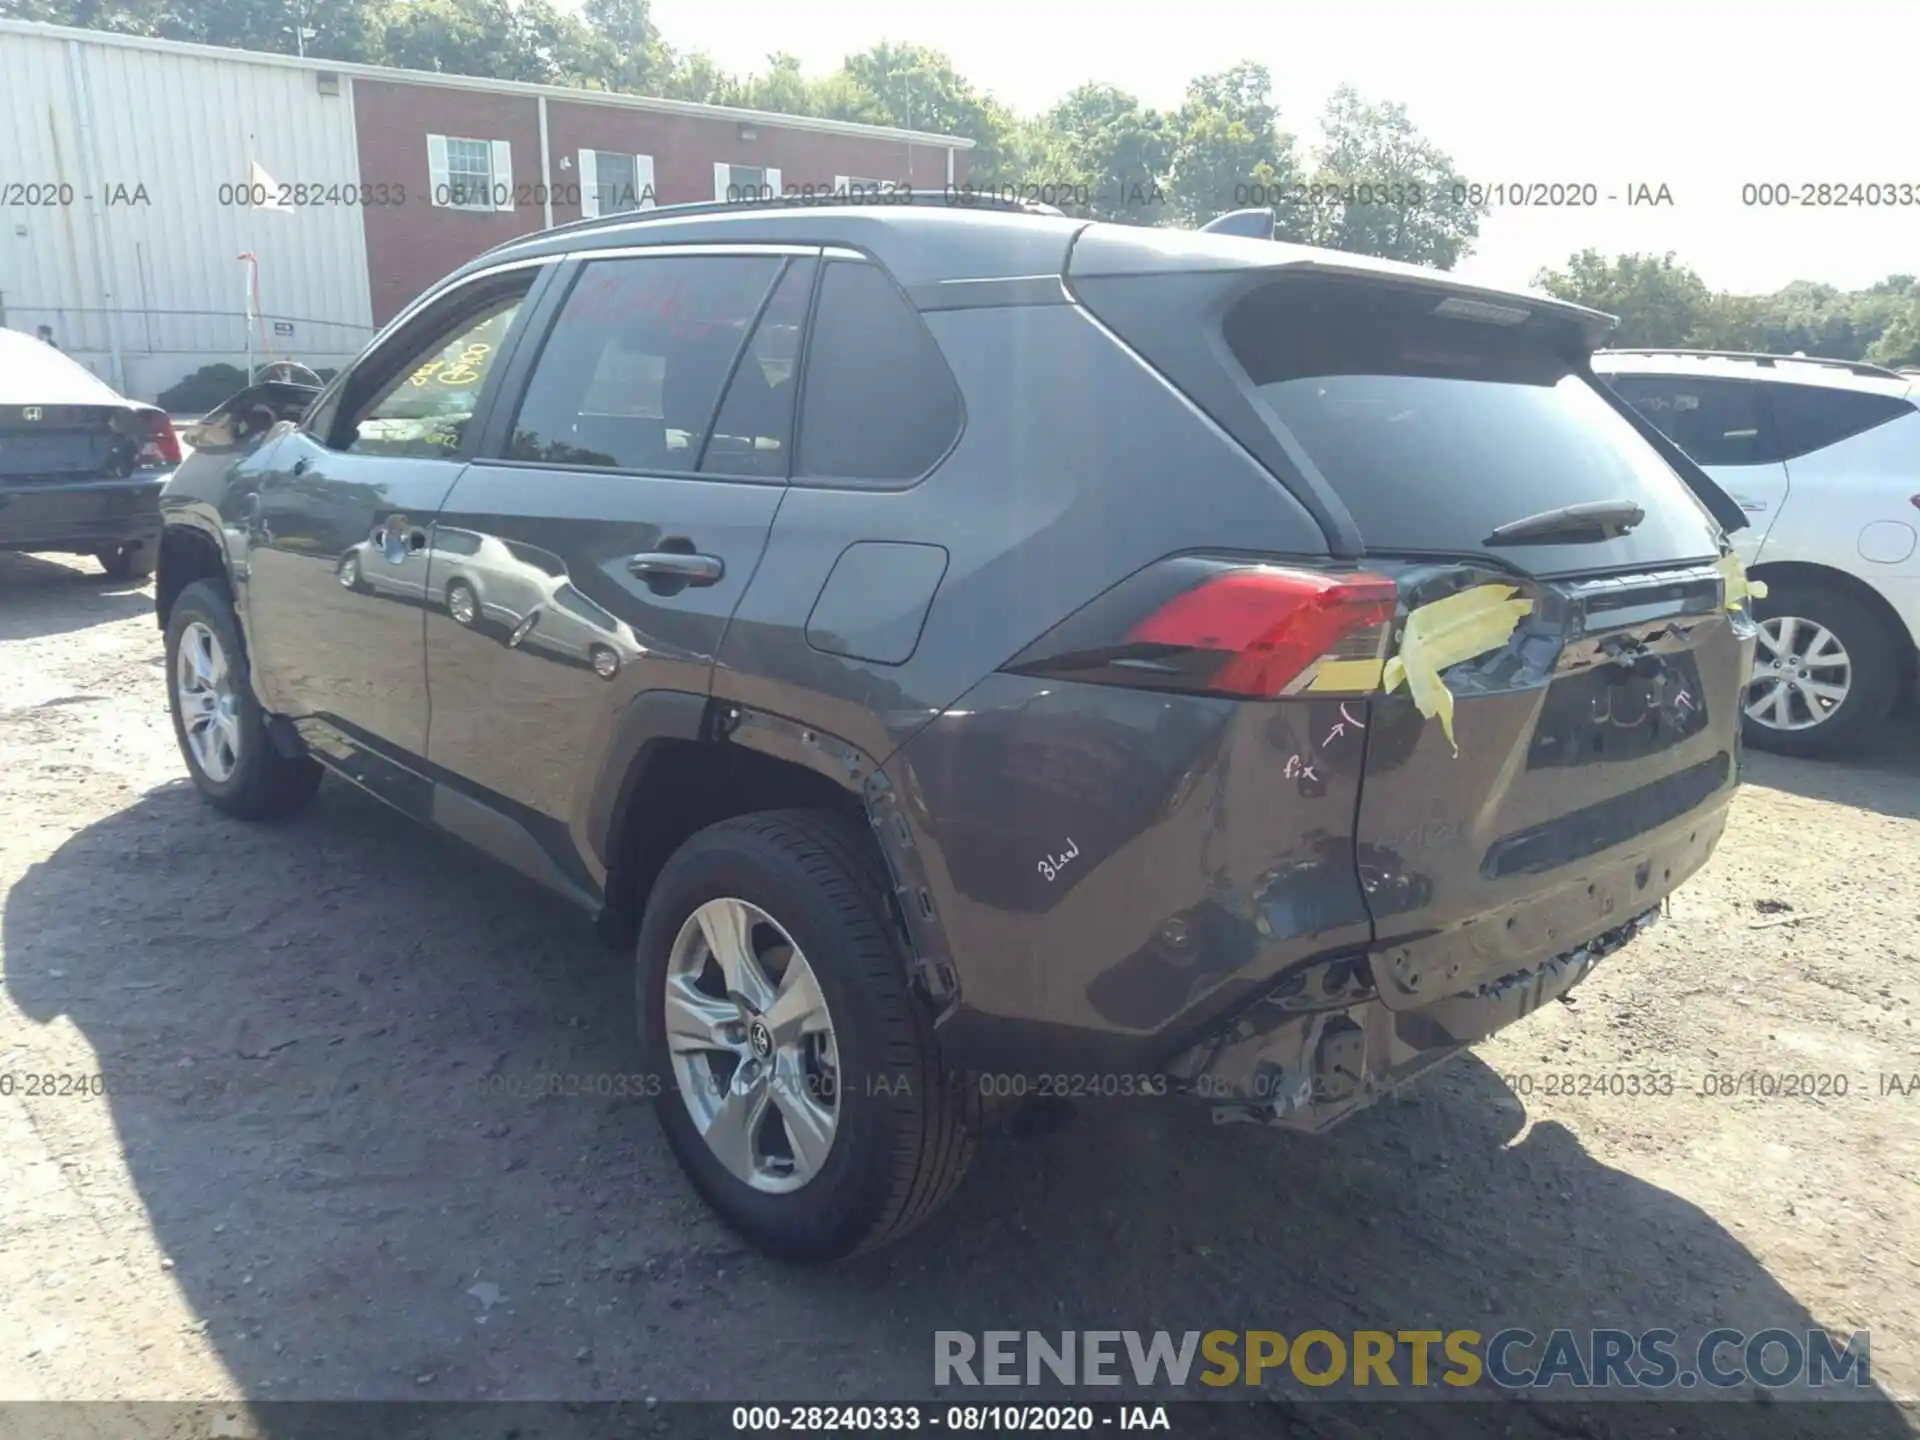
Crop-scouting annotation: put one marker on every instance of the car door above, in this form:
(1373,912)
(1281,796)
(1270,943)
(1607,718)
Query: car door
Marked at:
(1725,428)
(338,523)
(625,493)
(1854,473)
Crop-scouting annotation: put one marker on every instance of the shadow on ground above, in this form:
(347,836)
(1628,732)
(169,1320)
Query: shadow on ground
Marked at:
(1883,777)
(314,1035)
(40,597)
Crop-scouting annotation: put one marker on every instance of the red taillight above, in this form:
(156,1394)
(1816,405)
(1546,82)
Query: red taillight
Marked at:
(1273,626)
(161,443)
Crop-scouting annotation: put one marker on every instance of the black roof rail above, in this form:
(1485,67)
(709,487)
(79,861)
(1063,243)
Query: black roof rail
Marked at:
(1856,367)
(958,197)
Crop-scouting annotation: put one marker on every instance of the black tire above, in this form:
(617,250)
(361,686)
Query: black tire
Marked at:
(265,784)
(348,573)
(1871,646)
(130,560)
(907,1127)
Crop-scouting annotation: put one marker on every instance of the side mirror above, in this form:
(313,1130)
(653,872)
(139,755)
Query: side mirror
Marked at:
(241,420)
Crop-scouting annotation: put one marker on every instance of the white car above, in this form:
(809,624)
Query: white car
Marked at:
(1824,457)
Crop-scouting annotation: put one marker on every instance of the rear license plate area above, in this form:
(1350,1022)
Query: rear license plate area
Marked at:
(1620,711)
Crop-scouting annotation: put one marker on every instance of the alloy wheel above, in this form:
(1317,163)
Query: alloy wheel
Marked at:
(752,1046)
(209,704)
(1801,674)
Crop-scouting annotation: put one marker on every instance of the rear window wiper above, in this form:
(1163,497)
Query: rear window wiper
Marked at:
(1586,523)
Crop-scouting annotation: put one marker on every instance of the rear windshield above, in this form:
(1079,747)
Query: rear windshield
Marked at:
(1435,431)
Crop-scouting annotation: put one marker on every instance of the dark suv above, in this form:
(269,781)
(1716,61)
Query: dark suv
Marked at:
(989,654)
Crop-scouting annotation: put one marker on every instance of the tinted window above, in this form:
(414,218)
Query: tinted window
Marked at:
(880,404)
(632,371)
(456,542)
(581,608)
(1808,417)
(545,561)
(1435,430)
(754,432)
(425,412)
(1717,422)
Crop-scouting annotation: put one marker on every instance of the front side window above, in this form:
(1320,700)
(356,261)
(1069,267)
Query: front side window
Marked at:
(1717,422)
(425,411)
(632,371)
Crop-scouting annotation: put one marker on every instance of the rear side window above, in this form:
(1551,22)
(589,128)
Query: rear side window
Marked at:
(880,406)
(455,542)
(1717,422)
(545,561)
(632,371)
(1435,429)
(1810,417)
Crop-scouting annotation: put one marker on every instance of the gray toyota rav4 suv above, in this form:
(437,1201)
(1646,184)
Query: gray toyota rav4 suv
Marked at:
(967,653)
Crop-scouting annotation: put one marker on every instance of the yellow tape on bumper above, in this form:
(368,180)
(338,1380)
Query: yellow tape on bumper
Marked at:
(1739,587)
(1346,675)
(1445,633)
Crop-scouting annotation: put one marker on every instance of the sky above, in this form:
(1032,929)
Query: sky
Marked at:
(1696,95)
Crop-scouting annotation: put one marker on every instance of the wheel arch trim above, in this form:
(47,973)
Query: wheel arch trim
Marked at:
(1813,573)
(656,718)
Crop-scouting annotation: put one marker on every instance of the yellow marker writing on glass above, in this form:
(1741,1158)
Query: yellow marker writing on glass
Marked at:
(1739,587)
(1445,633)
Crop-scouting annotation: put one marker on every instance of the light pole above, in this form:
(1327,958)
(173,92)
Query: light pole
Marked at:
(302,32)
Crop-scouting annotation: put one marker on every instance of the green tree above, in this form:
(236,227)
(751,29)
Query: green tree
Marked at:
(782,89)
(623,51)
(1659,301)
(502,39)
(1101,142)
(1394,187)
(917,88)
(1228,149)
(697,77)
(337,29)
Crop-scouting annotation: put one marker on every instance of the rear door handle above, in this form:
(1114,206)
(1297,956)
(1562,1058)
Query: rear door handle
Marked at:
(672,567)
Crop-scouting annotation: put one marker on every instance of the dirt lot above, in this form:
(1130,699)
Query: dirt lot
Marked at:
(300,1189)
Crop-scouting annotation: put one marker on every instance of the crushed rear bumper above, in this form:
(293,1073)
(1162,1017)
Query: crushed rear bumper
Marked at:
(1309,1070)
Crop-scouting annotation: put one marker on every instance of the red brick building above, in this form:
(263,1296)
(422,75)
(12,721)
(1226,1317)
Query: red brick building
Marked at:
(495,161)
(347,188)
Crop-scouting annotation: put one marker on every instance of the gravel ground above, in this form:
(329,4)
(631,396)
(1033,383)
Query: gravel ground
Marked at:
(300,1186)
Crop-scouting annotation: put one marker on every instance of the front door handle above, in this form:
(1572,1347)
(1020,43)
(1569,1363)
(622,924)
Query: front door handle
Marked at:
(673,567)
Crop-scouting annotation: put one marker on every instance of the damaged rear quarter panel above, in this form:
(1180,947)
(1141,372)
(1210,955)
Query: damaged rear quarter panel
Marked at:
(1116,870)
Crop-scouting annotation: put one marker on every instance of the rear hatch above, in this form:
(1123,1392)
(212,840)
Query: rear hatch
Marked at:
(1453,441)
(50,443)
